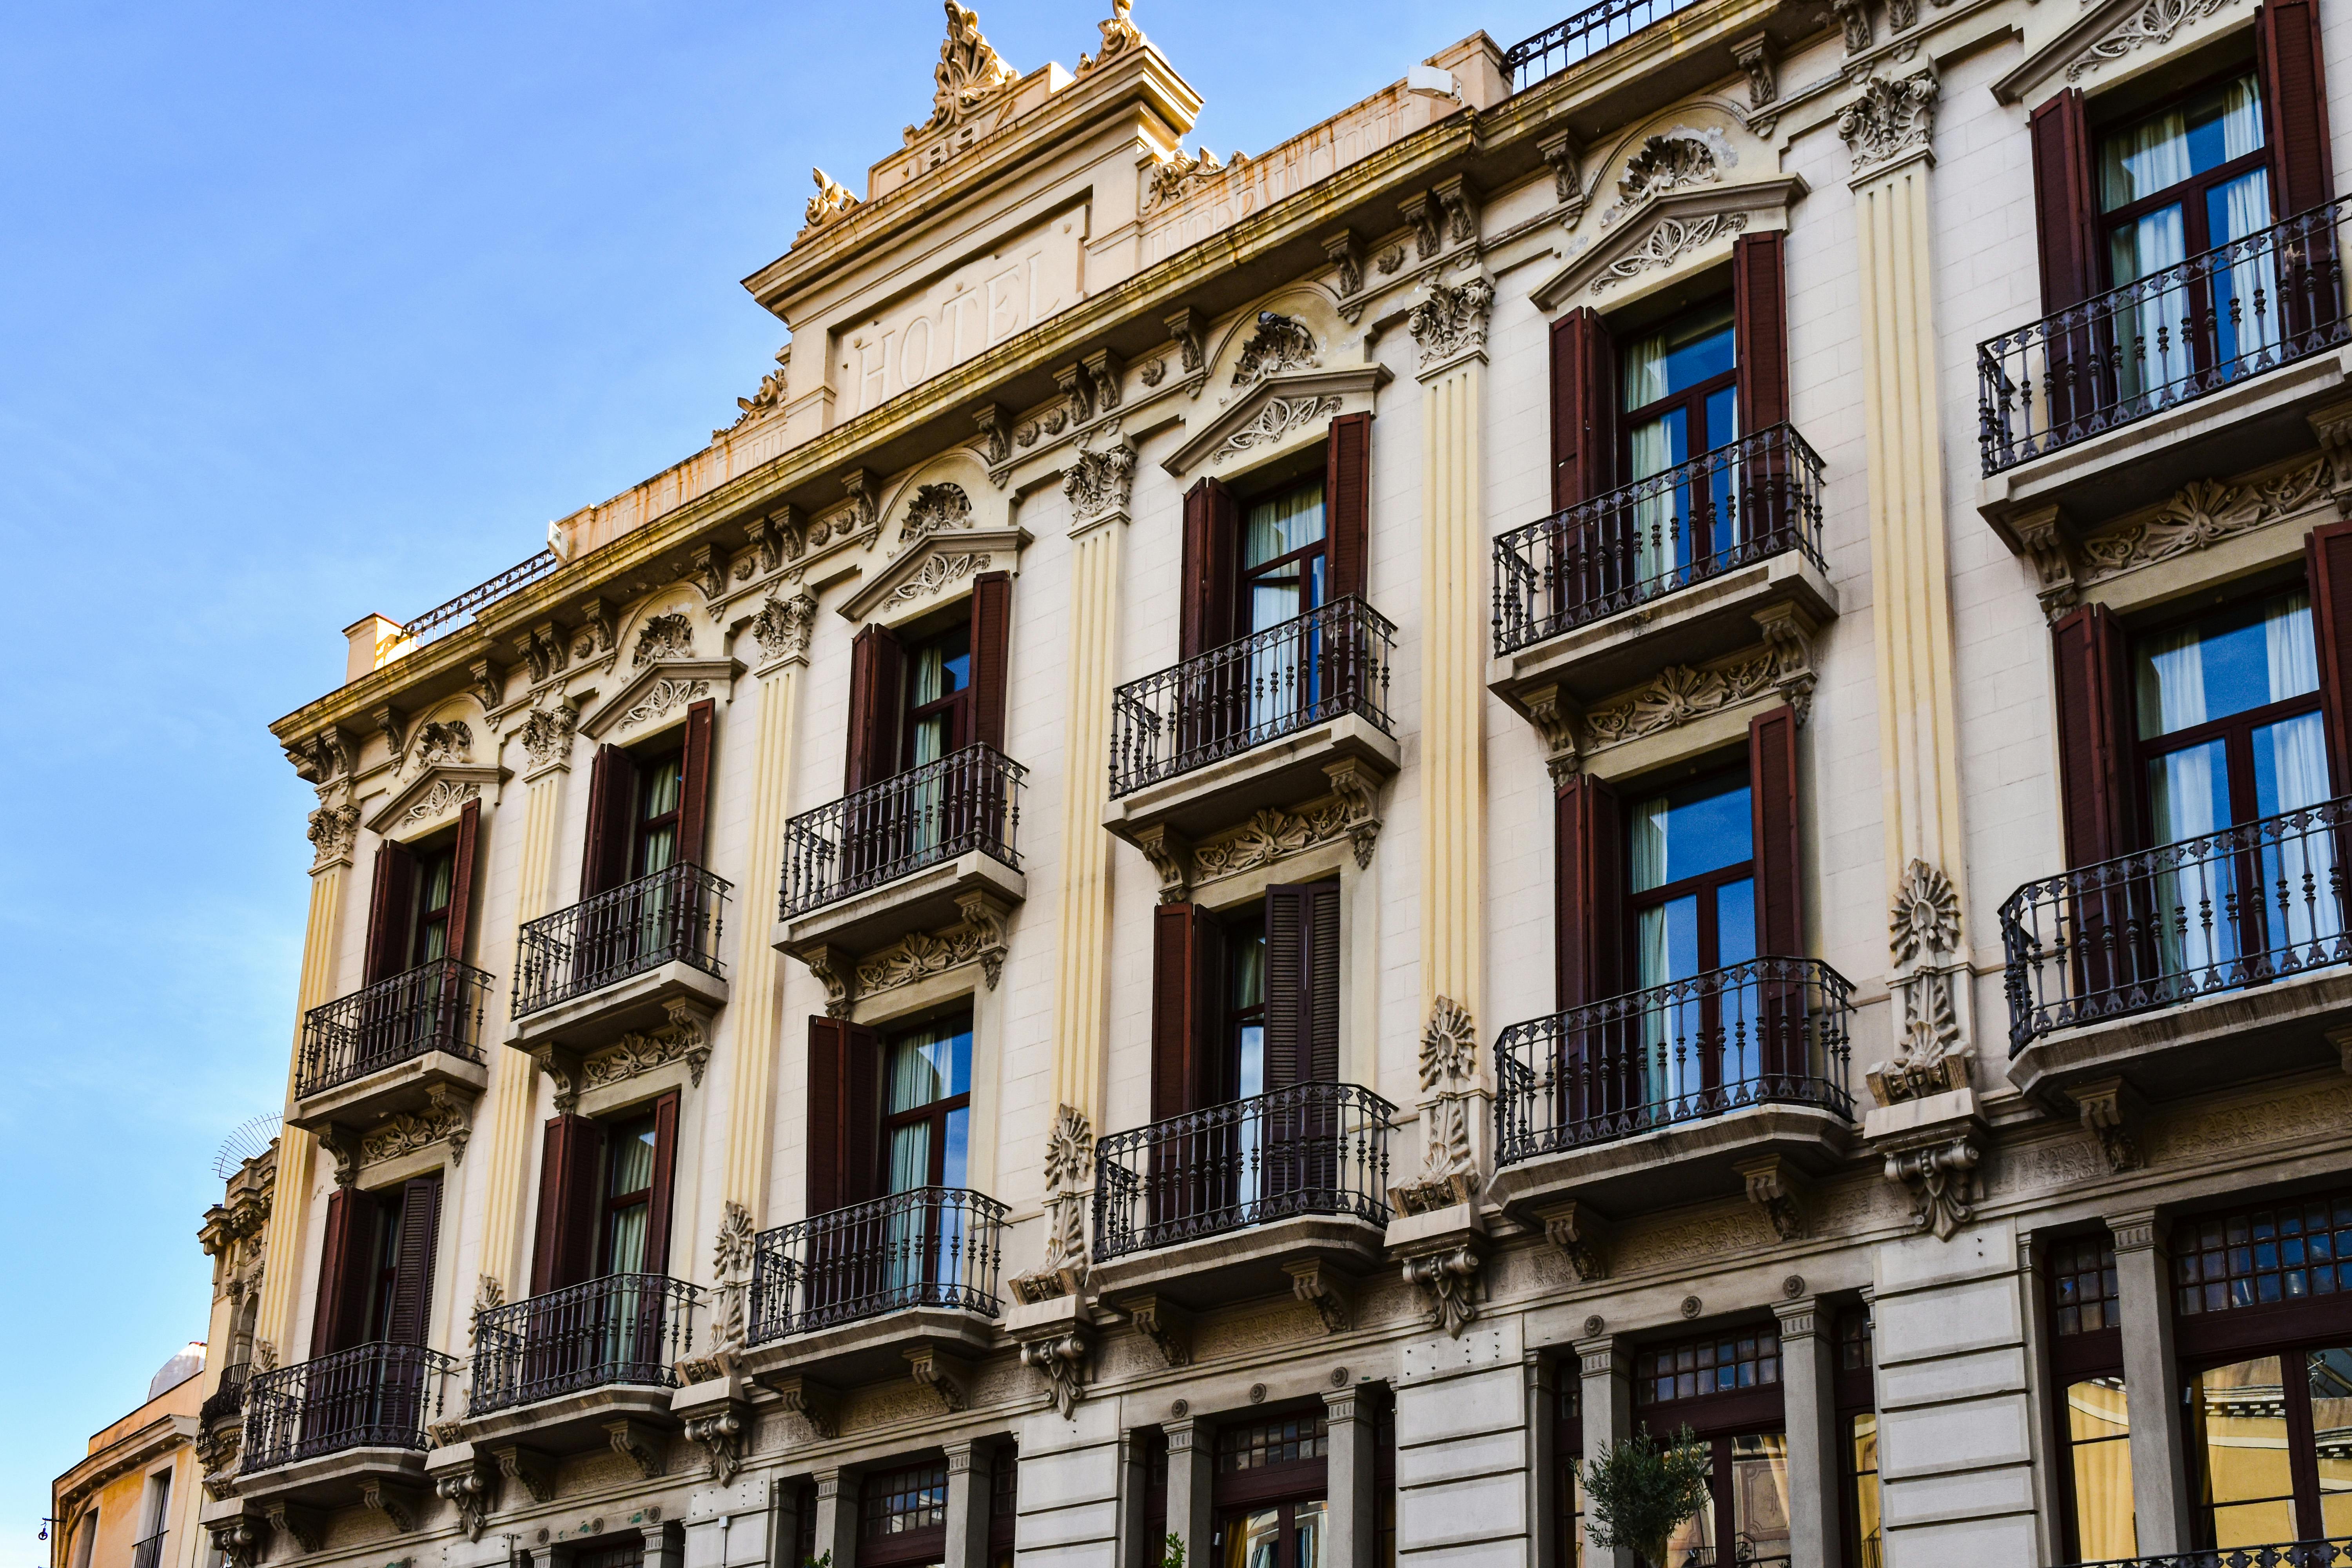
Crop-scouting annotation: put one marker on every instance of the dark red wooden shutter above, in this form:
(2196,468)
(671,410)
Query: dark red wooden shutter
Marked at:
(1760,326)
(2328,560)
(1347,502)
(1205,610)
(411,1279)
(2064,210)
(1588,891)
(1187,968)
(861,1166)
(2088,648)
(2294,84)
(694,782)
(341,1317)
(461,879)
(845,1113)
(563,1252)
(1302,984)
(658,1205)
(612,796)
(1779,859)
(389,912)
(874,678)
(1583,408)
(992,647)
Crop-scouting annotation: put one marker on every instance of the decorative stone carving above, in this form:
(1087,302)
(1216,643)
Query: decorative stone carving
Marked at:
(935,508)
(2042,536)
(639,1444)
(1580,1235)
(1941,1177)
(436,743)
(1560,152)
(1929,974)
(663,636)
(935,572)
(731,1272)
(533,1471)
(1422,215)
(389,1503)
(1670,160)
(1173,180)
(1389,260)
(946,1378)
(2202,514)
(720,1433)
(781,628)
(1278,418)
(307,1527)
(475,1492)
(1106,372)
(995,432)
(1062,1362)
(2153,23)
(1069,1189)
(2109,1109)
(1313,1281)
(334,830)
(1171,857)
(1184,328)
(866,504)
(1556,723)
(547,734)
(814,1402)
(240,1540)
(828,966)
(1671,240)
(1854,16)
(1167,1325)
(1119,36)
(1346,254)
(770,397)
(1891,119)
(1760,61)
(1900,14)
(447,1117)
(1447,1279)
(1458,205)
(917,955)
(664,695)
(968,78)
(1451,321)
(1774,1187)
(1101,477)
(1449,1082)
(445,796)
(832,200)
(1153,373)
(1279,343)
(1272,834)
(683,1039)
(1678,695)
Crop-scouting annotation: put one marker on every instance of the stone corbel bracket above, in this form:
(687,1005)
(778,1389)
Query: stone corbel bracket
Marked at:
(1932,1145)
(948,1377)
(2112,1114)
(1171,858)
(1775,1186)
(835,970)
(564,1072)
(1056,1337)
(240,1540)
(472,1485)
(1315,1282)
(1168,1326)
(533,1471)
(720,1433)
(814,1403)
(1441,1252)
(306,1527)
(1359,789)
(398,1505)
(1579,1234)
(1557,722)
(641,1445)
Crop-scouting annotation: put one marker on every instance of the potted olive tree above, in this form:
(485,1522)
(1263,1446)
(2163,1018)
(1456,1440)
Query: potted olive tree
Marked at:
(1637,1492)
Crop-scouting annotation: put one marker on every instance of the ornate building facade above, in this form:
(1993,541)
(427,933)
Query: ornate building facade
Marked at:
(1732,823)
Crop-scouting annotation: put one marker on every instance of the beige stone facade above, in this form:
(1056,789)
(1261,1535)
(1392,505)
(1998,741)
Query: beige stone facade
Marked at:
(648,910)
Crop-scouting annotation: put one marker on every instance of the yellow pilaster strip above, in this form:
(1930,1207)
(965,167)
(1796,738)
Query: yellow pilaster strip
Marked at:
(1452,689)
(1081,994)
(289,1206)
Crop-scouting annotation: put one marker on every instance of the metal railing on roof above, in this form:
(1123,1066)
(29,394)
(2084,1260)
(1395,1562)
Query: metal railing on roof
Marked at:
(1581,37)
(442,619)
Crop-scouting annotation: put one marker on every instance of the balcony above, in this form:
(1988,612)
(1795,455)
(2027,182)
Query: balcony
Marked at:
(225,1405)
(614,962)
(148,1553)
(1660,1097)
(2335,1553)
(845,1296)
(556,1372)
(2178,372)
(1257,722)
(1211,1205)
(1537,59)
(390,1047)
(1682,567)
(2199,965)
(897,857)
(322,1434)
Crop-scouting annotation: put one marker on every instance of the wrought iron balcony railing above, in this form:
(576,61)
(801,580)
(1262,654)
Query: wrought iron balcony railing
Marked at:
(966,802)
(1311,1149)
(673,916)
(147,1553)
(1769,1031)
(435,1006)
(1757,498)
(225,1403)
(2174,336)
(2335,1553)
(1331,661)
(2243,906)
(934,1246)
(623,1328)
(1581,37)
(378,1395)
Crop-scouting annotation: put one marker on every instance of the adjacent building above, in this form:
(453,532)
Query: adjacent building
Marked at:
(1654,732)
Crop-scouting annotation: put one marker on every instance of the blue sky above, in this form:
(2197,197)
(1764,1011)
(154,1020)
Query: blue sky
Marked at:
(310,310)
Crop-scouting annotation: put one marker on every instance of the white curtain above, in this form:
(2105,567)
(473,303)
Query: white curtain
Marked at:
(1282,669)
(2188,798)
(2150,348)
(1656,549)
(2300,869)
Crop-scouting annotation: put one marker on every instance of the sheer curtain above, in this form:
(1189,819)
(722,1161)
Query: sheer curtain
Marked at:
(2291,769)
(1657,547)
(1282,672)
(2188,799)
(1668,1026)
(2246,291)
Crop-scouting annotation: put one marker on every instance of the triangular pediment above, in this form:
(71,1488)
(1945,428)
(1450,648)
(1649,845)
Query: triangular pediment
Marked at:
(433,799)
(933,569)
(2113,41)
(1668,236)
(659,694)
(1282,412)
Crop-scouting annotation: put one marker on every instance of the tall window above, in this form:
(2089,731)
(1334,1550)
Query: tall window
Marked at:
(1856,1402)
(929,1113)
(429,932)
(628,1194)
(385,1277)
(1283,557)
(903,1515)
(660,793)
(1242,1072)
(2097,1421)
(1271,1479)
(1681,400)
(1691,896)
(1740,1368)
(939,698)
(1568,1438)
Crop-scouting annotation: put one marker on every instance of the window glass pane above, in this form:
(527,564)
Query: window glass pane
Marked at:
(1697,348)
(625,1248)
(1282,524)
(1759,1495)
(2330,1375)
(898,1501)
(2227,663)
(2099,1430)
(956,1168)
(1735,923)
(1718,1364)
(1864,1439)
(2082,1285)
(1698,828)
(1257,1445)
(940,668)
(1669,941)
(1306,1528)
(911,1157)
(1657,445)
(662,789)
(2235,210)
(632,1166)
(2238,1434)
(1255,1541)
(2291,771)
(928,1065)
(2285,1253)
(2218,125)
(1693,1541)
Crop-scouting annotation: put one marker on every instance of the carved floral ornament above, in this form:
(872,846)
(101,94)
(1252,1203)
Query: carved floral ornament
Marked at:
(783,626)
(969,76)
(2155,22)
(1891,117)
(936,507)
(1278,343)
(1671,160)
(1451,321)
(832,200)
(547,734)
(1671,240)
(1280,418)
(663,636)
(1101,478)
(1119,36)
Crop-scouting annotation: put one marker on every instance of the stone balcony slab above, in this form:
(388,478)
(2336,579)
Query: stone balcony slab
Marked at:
(642,1001)
(412,1085)
(870,1350)
(922,899)
(1225,793)
(2291,1025)
(389,1479)
(1249,1261)
(1683,1162)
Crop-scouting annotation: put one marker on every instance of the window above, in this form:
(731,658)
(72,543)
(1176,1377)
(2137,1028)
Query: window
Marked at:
(2082,1286)
(2086,1363)
(1269,1485)
(628,1195)
(2287,1253)
(929,1111)
(1726,1387)
(659,795)
(1857,1407)
(1283,557)
(1691,896)
(1569,1440)
(939,698)
(1727,1363)
(903,1502)
(1681,401)
(1243,1070)
(1003,1505)
(436,875)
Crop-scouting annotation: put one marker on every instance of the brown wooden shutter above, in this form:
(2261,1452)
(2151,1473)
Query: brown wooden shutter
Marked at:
(1212,527)
(1760,326)
(563,1252)
(2294,86)
(461,879)
(1588,891)
(845,1114)
(1583,408)
(612,796)
(658,1205)
(2095,738)
(411,1279)
(2064,210)
(1302,984)
(992,647)
(875,663)
(2328,560)
(1779,859)
(694,782)
(1187,970)
(1347,502)
(340,1316)
(389,912)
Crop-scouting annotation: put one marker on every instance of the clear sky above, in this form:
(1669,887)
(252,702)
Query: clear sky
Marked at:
(309,311)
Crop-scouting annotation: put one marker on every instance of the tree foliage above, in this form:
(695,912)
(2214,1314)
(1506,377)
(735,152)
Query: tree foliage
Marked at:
(1637,1492)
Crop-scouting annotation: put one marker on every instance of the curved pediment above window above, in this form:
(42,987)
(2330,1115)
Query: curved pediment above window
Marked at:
(1670,236)
(656,697)
(1276,415)
(432,800)
(2103,45)
(942,526)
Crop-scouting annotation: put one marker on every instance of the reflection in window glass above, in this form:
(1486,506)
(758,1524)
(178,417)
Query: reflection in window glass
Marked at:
(1759,1495)
(2098,1433)
(2329,1372)
(1863,1444)
(2238,1429)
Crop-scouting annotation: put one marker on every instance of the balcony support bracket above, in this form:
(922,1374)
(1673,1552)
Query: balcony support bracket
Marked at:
(307,1527)
(1314,1281)
(812,1402)
(1441,1251)
(641,1445)
(948,1377)
(398,1505)
(1579,1234)
(1774,1186)
(1055,1338)
(468,1480)
(564,1070)
(533,1470)
(1933,1146)
(1168,1326)
(2112,1113)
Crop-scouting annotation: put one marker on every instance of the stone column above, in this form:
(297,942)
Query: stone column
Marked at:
(1607,1370)
(836,1517)
(2152,1384)
(1191,1471)
(784,1521)
(1816,1455)
(1350,1520)
(1544,1474)
(1134,1549)
(781,629)
(968,1499)
(334,830)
